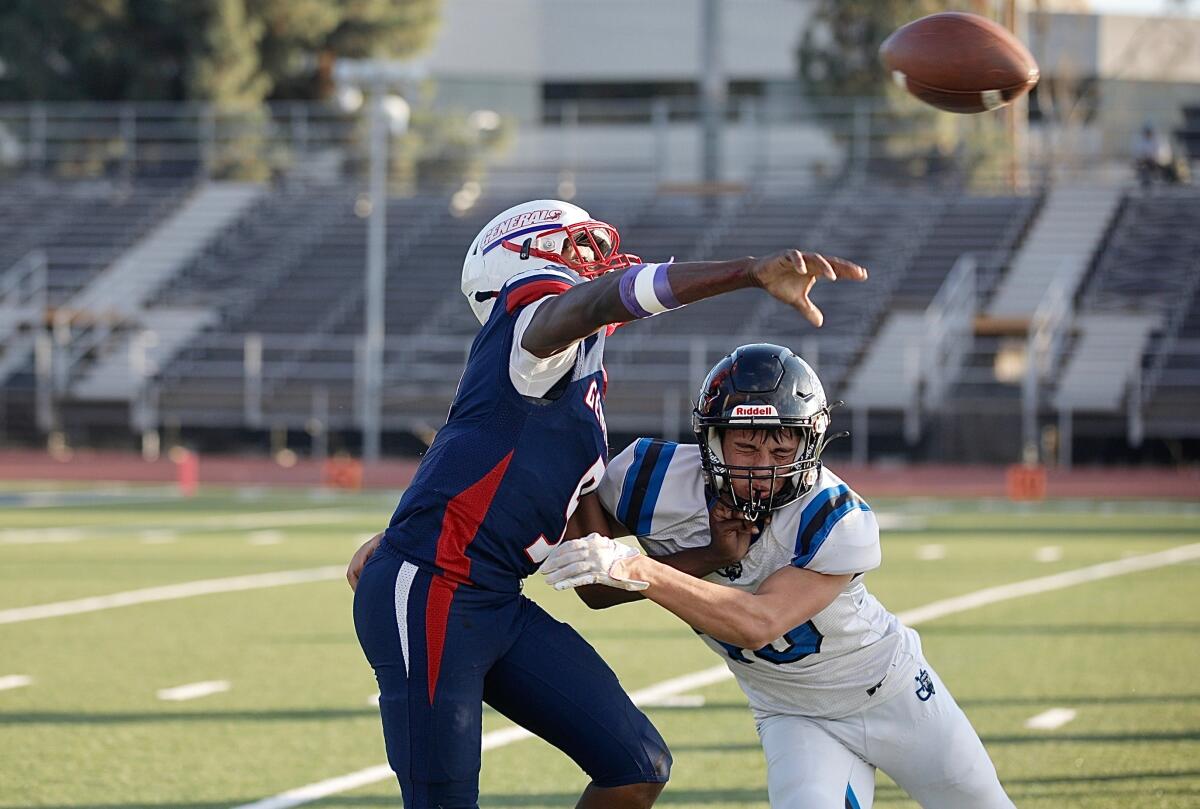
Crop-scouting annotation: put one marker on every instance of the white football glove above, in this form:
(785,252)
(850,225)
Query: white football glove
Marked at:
(589,561)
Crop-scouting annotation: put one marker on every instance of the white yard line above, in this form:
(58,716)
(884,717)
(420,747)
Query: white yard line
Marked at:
(193,690)
(268,537)
(1051,719)
(1044,584)
(276,519)
(14,681)
(492,740)
(678,701)
(698,679)
(157,536)
(120,495)
(41,536)
(1048,553)
(931,553)
(170,592)
(894,521)
(227,522)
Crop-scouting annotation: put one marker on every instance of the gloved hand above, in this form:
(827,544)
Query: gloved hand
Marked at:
(589,561)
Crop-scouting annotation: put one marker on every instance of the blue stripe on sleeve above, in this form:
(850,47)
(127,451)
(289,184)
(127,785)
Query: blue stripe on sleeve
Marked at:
(810,511)
(639,454)
(819,518)
(646,517)
(851,799)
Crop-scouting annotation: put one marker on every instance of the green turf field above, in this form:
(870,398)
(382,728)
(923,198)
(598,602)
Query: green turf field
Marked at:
(89,730)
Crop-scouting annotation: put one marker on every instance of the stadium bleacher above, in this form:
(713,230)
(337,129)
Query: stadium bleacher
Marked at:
(290,270)
(295,269)
(82,226)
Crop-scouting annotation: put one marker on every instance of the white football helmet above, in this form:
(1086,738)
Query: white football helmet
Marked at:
(537,232)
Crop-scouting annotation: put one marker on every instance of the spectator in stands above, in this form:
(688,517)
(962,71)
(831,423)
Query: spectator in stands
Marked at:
(1153,157)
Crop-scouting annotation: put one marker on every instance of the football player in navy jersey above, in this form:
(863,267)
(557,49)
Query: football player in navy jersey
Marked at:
(437,604)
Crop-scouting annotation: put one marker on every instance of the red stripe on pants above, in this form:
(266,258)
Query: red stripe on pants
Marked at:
(464,514)
(437,613)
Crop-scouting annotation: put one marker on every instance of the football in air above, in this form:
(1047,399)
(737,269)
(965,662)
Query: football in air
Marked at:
(959,62)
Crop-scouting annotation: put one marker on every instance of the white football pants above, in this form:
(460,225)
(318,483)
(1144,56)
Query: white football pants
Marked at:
(920,737)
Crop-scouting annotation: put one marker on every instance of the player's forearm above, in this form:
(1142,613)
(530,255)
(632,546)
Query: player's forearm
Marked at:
(698,562)
(733,616)
(600,597)
(584,308)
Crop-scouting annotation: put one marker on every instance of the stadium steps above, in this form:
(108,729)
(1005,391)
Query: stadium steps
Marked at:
(141,271)
(1058,248)
(135,354)
(881,228)
(1150,266)
(887,378)
(112,309)
(1106,352)
(987,227)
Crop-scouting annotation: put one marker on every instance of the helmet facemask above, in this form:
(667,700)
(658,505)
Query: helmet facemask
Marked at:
(786,482)
(589,248)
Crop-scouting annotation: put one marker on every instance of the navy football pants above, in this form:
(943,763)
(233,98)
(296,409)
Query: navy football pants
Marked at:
(440,652)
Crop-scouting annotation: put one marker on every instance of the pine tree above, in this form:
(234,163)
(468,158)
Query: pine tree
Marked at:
(303,38)
(224,66)
(839,53)
(839,60)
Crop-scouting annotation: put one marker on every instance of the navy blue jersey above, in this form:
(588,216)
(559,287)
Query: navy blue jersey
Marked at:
(495,490)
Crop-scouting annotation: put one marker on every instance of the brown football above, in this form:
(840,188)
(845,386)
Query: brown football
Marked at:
(959,62)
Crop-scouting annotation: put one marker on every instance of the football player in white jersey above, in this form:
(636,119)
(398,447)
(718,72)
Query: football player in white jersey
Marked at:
(838,686)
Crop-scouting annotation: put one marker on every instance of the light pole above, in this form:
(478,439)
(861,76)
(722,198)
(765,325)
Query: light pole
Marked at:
(712,90)
(388,117)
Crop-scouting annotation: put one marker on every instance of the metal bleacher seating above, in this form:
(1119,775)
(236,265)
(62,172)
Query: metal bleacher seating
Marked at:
(1152,263)
(292,271)
(81,226)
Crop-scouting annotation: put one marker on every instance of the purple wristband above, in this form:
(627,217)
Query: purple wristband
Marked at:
(628,298)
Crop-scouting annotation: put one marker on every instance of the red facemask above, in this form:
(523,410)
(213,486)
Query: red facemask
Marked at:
(600,238)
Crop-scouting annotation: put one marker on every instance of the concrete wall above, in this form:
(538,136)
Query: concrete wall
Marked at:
(614,40)
(1148,49)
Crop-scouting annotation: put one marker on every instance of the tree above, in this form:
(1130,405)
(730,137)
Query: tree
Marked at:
(74,50)
(235,54)
(838,60)
(302,38)
(224,64)
(225,51)
(839,53)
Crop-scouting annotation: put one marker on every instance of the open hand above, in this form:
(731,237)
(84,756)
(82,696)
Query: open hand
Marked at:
(789,276)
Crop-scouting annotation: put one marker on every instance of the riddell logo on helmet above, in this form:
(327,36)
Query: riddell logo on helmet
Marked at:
(754,410)
(519,221)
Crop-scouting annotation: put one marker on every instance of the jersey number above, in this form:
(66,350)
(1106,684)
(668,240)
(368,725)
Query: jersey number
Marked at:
(540,548)
(796,645)
(594,399)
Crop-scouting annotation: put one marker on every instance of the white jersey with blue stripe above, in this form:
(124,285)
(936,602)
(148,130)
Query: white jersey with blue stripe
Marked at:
(851,654)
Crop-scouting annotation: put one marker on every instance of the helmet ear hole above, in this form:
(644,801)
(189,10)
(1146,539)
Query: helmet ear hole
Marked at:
(525,247)
(714,446)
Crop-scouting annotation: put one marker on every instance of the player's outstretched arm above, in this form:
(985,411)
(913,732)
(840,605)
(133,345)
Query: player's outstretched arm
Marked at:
(648,289)
(731,538)
(787,599)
